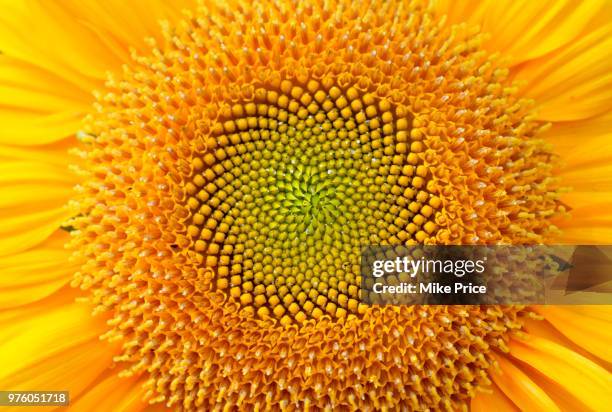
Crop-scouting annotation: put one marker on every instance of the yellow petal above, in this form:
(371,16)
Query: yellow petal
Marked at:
(49,70)
(28,129)
(51,325)
(82,39)
(582,144)
(585,150)
(520,388)
(36,106)
(576,235)
(587,202)
(33,203)
(56,153)
(560,49)
(590,333)
(58,41)
(523,30)
(113,20)
(495,400)
(602,312)
(596,178)
(112,393)
(590,219)
(587,382)
(11,318)
(561,397)
(544,329)
(53,345)
(36,273)
(22,77)
(574,82)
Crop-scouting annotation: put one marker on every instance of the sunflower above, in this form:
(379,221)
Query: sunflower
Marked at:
(214,168)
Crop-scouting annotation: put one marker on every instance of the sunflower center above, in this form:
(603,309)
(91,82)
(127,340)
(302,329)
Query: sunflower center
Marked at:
(233,174)
(291,186)
(303,197)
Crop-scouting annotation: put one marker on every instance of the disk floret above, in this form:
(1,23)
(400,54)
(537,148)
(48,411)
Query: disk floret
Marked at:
(231,176)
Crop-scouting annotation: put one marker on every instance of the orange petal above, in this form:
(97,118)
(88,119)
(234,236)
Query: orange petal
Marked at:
(112,393)
(520,388)
(590,333)
(586,382)
(493,401)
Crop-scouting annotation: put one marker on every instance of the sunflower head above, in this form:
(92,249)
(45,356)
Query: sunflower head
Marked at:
(232,175)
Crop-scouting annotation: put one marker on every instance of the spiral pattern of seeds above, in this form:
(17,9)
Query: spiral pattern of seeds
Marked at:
(231,175)
(293,184)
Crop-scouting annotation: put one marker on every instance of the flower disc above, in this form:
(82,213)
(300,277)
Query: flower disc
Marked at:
(233,175)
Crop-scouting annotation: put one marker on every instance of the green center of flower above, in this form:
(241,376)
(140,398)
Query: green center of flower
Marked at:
(304,197)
